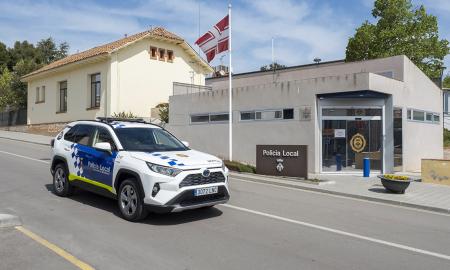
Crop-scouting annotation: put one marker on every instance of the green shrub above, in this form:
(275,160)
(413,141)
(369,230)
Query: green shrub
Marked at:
(124,115)
(395,177)
(239,167)
(446,137)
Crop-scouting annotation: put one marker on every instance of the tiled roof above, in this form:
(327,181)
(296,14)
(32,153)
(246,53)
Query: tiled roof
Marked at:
(158,32)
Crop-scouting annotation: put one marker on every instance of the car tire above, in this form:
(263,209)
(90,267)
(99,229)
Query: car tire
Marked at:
(130,201)
(61,184)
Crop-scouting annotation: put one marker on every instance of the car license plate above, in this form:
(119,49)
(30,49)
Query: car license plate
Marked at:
(206,191)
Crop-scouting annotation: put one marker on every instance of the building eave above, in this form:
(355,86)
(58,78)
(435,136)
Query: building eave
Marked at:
(65,67)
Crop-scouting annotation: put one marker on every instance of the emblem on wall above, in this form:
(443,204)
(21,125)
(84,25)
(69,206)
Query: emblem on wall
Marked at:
(280,166)
(358,143)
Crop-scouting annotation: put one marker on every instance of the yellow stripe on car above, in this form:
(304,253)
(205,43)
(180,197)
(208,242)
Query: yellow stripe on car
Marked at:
(73,177)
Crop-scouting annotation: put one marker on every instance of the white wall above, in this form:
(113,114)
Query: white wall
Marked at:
(131,82)
(297,88)
(78,95)
(141,83)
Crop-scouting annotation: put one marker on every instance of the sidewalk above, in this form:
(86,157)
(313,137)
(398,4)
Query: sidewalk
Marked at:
(25,137)
(418,195)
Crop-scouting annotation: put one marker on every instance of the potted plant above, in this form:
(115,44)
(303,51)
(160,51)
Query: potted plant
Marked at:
(395,183)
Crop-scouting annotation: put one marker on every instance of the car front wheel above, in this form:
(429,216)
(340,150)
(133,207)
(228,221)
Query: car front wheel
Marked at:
(131,204)
(61,185)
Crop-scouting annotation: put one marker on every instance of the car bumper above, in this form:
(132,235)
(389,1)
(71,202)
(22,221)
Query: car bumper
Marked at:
(186,201)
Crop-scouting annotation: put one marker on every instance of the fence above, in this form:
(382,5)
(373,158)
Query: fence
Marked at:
(13,118)
(185,88)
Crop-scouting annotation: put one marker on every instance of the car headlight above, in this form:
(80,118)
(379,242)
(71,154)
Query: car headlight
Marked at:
(224,168)
(169,171)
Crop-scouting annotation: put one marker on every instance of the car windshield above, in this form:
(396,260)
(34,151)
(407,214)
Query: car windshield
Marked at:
(148,140)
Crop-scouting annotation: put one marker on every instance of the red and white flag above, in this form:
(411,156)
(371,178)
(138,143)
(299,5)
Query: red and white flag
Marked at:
(215,40)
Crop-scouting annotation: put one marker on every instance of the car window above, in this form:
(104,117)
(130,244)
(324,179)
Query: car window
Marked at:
(148,140)
(103,135)
(83,134)
(69,134)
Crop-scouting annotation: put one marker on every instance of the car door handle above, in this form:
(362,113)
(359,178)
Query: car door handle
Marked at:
(66,149)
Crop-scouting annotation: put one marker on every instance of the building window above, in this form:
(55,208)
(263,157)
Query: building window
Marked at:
(63,97)
(95,90)
(162,54)
(37,95)
(170,56)
(423,116)
(288,114)
(418,116)
(398,140)
(200,118)
(247,116)
(209,118)
(436,118)
(40,94)
(267,114)
(153,52)
(218,117)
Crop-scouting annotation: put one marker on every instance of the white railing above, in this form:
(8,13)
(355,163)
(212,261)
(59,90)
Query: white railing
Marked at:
(185,88)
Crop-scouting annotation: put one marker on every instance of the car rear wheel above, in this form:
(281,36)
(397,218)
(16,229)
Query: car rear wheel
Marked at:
(130,203)
(61,185)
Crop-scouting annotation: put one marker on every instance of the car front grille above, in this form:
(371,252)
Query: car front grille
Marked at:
(199,179)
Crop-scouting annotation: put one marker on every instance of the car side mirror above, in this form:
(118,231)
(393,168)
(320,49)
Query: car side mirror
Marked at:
(104,147)
(185,143)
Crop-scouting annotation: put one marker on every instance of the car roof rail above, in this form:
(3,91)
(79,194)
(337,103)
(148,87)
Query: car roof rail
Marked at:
(108,120)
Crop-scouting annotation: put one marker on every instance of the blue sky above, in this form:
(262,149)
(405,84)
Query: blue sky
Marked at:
(302,29)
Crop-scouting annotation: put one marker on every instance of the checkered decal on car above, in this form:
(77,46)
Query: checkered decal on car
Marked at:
(77,161)
(170,161)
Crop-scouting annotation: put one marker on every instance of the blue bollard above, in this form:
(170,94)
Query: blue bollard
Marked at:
(338,162)
(366,167)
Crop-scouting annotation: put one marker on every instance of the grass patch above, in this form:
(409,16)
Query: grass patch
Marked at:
(239,167)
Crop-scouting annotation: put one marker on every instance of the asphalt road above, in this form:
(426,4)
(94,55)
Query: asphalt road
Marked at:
(262,227)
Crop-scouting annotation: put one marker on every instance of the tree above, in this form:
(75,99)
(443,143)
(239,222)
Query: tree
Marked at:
(4,56)
(20,60)
(163,112)
(400,29)
(49,52)
(446,82)
(273,66)
(6,95)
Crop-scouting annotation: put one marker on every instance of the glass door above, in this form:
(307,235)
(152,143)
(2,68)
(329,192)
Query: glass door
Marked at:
(350,135)
(334,154)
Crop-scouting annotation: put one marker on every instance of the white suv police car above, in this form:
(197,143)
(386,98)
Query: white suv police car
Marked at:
(141,165)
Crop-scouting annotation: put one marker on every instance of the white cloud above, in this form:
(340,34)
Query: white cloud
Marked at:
(301,32)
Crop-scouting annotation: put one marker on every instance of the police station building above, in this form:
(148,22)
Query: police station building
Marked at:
(337,112)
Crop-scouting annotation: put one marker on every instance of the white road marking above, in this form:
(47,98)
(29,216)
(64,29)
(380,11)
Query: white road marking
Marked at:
(343,197)
(25,157)
(335,231)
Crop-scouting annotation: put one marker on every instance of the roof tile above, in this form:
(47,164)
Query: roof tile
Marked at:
(107,48)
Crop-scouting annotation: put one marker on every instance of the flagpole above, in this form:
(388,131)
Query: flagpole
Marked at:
(230,89)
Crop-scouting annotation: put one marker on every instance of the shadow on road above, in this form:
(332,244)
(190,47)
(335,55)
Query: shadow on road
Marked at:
(110,205)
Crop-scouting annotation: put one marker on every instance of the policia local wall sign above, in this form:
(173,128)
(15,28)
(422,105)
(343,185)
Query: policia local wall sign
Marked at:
(282,160)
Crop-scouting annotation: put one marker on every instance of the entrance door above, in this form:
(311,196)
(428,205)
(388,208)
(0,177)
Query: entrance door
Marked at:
(357,143)
(348,136)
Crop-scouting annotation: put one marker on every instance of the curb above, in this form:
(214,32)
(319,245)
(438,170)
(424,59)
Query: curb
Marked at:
(19,140)
(343,194)
(7,220)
